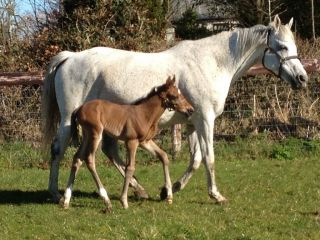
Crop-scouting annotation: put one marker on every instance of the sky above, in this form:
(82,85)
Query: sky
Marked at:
(23,6)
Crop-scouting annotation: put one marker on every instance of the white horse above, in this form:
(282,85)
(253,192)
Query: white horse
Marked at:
(204,71)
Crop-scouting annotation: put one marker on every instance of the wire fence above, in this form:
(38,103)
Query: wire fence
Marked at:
(255,104)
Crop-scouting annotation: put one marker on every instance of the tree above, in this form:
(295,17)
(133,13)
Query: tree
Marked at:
(78,25)
(252,12)
(312,20)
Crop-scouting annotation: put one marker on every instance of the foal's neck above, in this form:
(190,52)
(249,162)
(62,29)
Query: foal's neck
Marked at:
(152,109)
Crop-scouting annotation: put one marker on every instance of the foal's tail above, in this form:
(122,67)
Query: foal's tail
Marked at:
(49,107)
(74,128)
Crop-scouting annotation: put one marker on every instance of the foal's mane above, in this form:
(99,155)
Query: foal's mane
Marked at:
(152,93)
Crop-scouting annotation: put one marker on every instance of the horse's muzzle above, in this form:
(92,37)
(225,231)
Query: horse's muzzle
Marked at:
(302,79)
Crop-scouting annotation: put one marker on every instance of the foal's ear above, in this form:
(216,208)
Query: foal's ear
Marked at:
(170,81)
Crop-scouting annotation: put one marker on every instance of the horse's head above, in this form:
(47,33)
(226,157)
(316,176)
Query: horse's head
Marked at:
(173,99)
(280,55)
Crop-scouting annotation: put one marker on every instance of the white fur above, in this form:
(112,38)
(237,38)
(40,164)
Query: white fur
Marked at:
(204,70)
(103,193)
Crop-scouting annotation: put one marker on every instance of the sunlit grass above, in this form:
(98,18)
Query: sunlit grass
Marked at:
(273,191)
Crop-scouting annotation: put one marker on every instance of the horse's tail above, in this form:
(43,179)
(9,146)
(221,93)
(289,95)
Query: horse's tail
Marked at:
(74,128)
(49,107)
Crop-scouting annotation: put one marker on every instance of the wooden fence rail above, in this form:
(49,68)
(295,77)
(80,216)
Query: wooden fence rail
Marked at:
(36,78)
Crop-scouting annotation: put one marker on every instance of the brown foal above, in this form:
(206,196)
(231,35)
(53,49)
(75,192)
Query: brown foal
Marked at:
(134,124)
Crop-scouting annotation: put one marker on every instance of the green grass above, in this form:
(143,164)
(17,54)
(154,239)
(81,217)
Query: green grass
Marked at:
(273,190)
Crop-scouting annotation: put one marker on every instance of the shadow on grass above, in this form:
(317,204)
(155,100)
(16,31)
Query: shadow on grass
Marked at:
(18,197)
(315,214)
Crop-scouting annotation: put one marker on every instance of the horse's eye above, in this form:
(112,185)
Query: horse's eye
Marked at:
(283,48)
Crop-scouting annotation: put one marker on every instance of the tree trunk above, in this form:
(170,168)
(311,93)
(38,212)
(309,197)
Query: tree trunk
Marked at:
(312,19)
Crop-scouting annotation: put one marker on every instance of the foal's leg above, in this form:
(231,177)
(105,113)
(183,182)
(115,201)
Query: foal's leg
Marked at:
(76,164)
(93,143)
(131,146)
(58,148)
(110,148)
(195,160)
(153,148)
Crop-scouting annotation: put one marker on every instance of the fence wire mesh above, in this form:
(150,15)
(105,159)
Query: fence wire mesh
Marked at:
(254,104)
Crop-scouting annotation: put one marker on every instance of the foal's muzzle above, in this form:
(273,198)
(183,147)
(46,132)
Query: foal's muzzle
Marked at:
(189,112)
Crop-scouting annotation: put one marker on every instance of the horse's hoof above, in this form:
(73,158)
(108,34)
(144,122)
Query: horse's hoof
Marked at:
(124,203)
(141,194)
(221,200)
(163,193)
(56,198)
(176,187)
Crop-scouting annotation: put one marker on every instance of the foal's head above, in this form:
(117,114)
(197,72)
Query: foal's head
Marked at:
(173,99)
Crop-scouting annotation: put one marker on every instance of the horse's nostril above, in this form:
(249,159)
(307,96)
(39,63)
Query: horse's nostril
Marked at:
(302,78)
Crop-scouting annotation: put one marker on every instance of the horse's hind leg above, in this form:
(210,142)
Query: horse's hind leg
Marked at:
(153,148)
(58,148)
(93,143)
(110,148)
(195,160)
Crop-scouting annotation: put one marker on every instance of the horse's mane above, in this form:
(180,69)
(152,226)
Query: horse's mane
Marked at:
(152,93)
(250,38)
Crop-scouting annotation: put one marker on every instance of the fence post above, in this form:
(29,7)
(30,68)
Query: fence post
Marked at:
(176,140)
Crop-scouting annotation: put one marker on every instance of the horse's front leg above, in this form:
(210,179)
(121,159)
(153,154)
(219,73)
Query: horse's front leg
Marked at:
(154,149)
(58,148)
(110,149)
(195,160)
(204,127)
(131,146)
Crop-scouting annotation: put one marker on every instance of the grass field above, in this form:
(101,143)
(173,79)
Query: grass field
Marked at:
(273,190)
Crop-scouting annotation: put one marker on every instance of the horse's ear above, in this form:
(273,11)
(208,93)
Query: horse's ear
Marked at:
(277,23)
(290,23)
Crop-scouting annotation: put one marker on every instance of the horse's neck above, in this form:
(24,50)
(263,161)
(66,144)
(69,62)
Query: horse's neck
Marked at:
(151,109)
(249,49)
(240,49)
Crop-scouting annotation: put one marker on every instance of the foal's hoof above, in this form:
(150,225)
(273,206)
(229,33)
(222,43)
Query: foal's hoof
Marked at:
(176,187)
(163,193)
(169,200)
(63,203)
(107,210)
(141,194)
